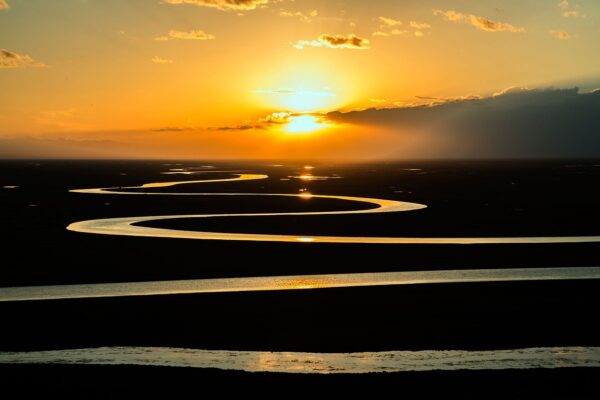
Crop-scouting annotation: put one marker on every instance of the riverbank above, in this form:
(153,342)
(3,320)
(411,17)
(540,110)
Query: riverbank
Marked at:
(470,316)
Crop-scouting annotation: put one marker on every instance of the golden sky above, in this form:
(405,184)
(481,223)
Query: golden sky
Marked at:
(256,78)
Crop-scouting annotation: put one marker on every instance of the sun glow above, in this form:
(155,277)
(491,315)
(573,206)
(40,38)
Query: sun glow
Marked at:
(304,124)
(305,195)
(300,100)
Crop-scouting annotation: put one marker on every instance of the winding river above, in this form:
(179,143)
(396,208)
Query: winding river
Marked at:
(298,362)
(128,226)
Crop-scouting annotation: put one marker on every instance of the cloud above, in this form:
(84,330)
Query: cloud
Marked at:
(236,128)
(389,22)
(388,27)
(419,25)
(567,9)
(393,32)
(451,15)
(264,123)
(561,35)
(172,129)
(511,90)
(268,122)
(514,123)
(158,60)
(191,35)
(9,59)
(300,15)
(4,5)
(478,22)
(224,5)
(335,42)
(276,118)
(491,26)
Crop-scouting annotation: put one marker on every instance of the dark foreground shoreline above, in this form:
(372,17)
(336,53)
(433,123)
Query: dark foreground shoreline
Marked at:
(97,381)
(501,315)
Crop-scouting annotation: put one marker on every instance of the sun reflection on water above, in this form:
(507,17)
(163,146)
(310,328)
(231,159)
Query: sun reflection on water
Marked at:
(305,239)
(310,177)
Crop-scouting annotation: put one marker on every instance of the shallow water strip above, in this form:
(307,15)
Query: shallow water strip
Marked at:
(297,282)
(317,363)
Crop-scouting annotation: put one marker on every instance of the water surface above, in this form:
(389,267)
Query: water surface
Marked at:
(297,282)
(318,363)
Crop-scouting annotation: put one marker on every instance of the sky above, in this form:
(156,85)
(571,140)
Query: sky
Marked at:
(276,79)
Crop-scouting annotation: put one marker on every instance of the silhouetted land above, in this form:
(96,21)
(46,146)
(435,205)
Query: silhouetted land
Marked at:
(116,382)
(546,198)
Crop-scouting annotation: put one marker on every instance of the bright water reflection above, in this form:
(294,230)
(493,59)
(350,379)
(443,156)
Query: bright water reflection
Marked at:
(128,226)
(318,363)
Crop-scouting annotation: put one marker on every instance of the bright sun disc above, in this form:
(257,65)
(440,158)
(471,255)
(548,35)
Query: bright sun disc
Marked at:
(304,124)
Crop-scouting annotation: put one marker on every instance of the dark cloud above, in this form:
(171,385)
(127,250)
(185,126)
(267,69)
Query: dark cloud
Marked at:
(515,123)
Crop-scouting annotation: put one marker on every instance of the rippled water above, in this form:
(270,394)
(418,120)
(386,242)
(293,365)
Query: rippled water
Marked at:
(318,363)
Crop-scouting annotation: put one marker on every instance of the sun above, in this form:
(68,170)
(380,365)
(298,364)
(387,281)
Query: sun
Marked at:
(304,124)
(307,101)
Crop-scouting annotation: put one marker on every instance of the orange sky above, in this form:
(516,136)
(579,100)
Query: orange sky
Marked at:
(208,79)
